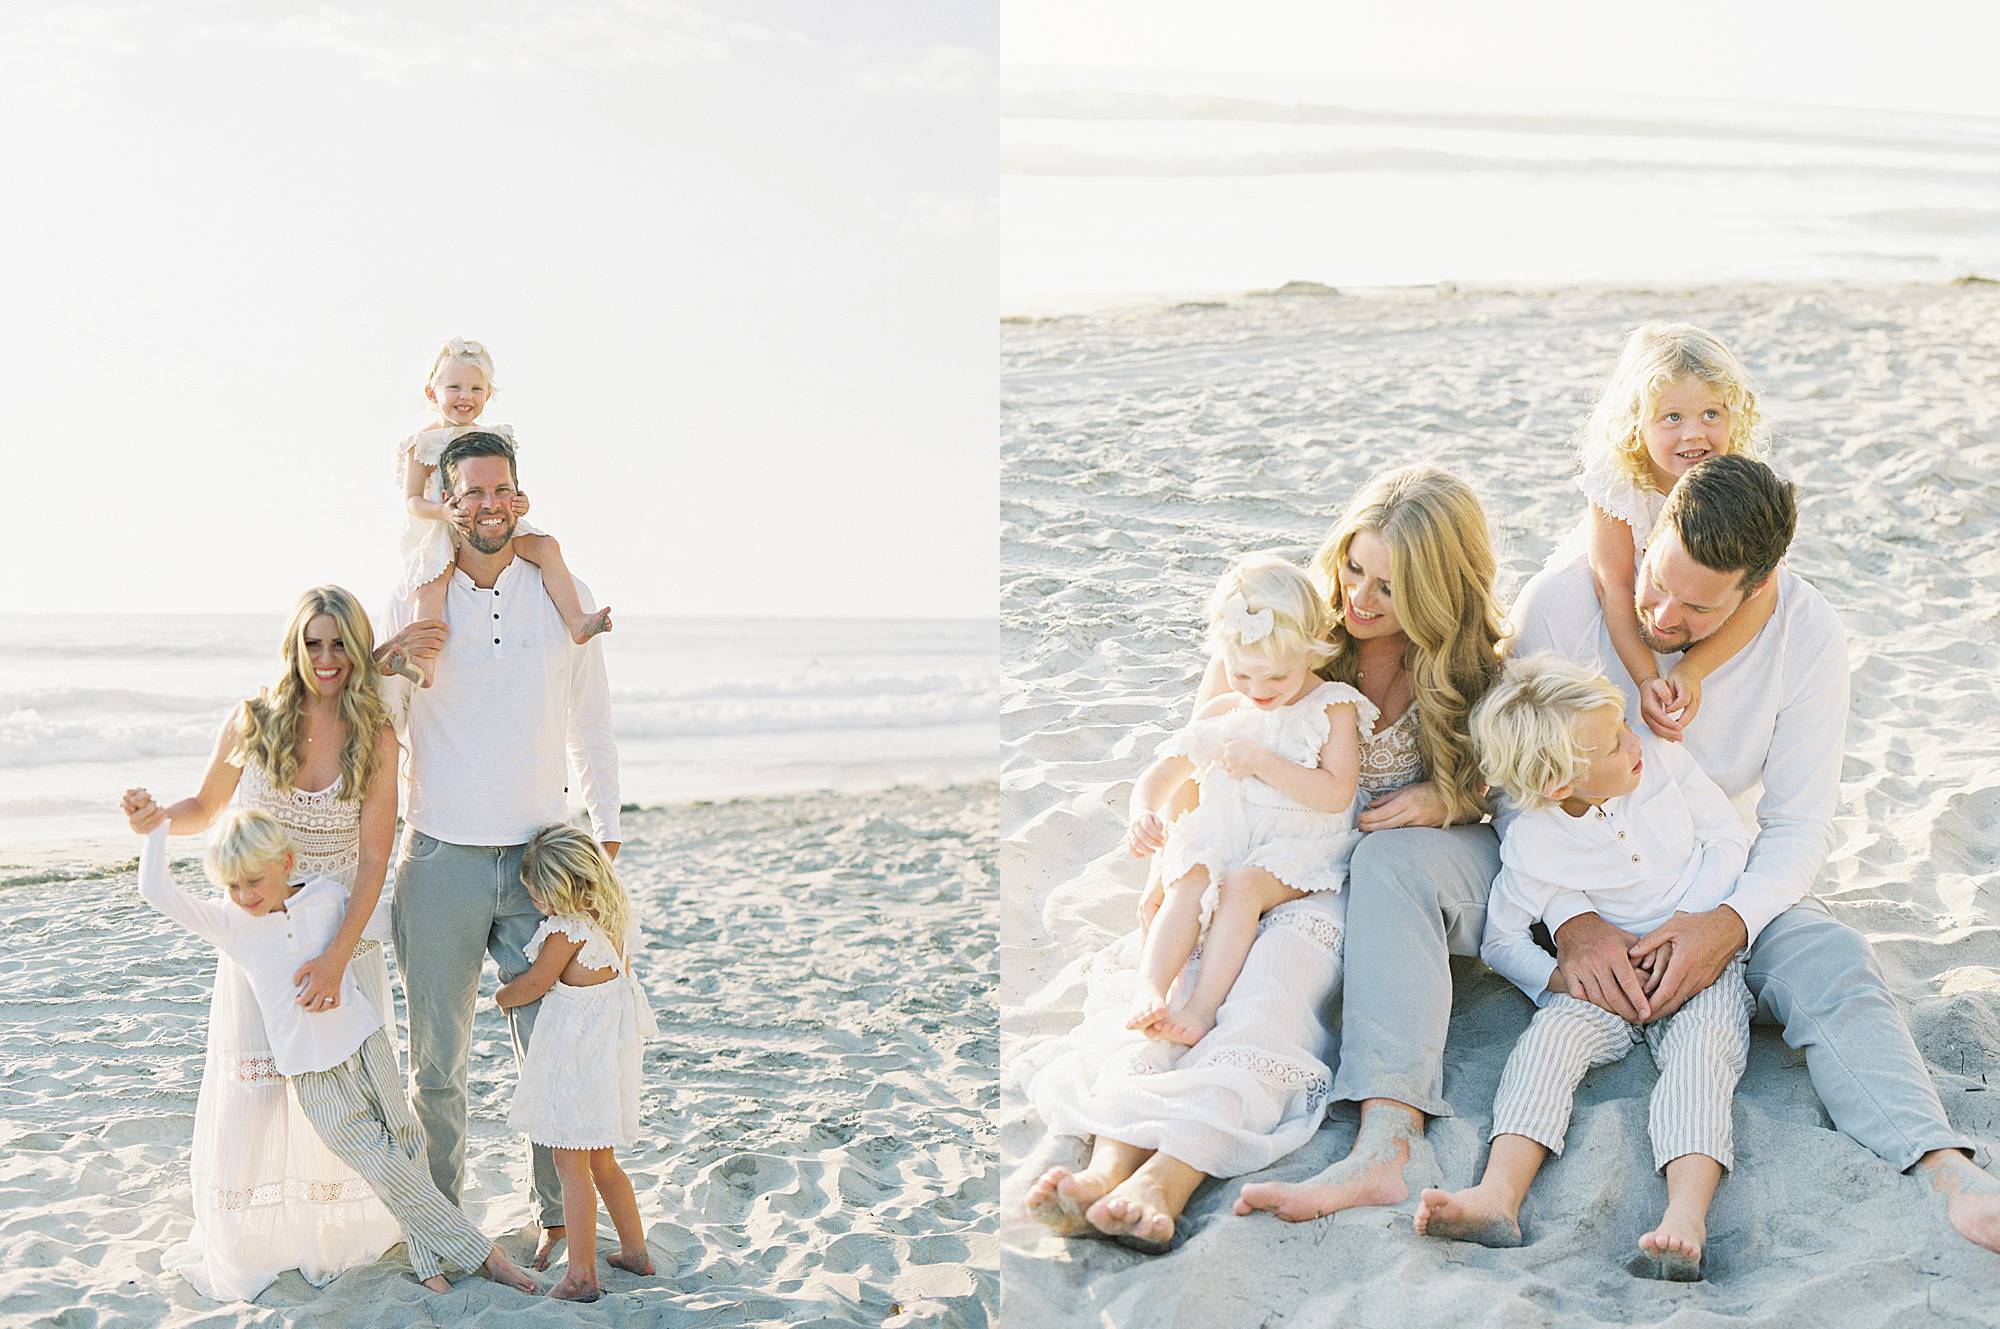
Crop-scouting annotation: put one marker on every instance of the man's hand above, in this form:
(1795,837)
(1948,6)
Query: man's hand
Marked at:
(422,640)
(322,981)
(1413,805)
(1699,947)
(1596,966)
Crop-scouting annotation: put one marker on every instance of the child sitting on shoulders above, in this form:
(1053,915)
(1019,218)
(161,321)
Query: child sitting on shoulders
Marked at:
(338,1061)
(1628,827)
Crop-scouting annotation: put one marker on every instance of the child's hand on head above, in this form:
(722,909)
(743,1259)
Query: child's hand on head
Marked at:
(142,814)
(1145,835)
(1657,707)
(1242,758)
(520,506)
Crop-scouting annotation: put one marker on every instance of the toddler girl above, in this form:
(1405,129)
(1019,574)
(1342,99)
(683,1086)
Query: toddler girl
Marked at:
(1629,828)
(1678,397)
(579,1087)
(1276,757)
(340,1064)
(460,385)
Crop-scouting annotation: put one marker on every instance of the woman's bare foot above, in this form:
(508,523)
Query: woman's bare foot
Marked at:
(589,625)
(1482,1214)
(437,1283)
(503,1270)
(1135,1215)
(1186,1025)
(396,662)
(1675,1245)
(576,1285)
(1059,1197)
(1375,1172)
(545,1249)
(1972,1198)
(638,1262)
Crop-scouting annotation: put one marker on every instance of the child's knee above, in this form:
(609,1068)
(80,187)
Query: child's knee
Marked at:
(1191,883)
(1243,886)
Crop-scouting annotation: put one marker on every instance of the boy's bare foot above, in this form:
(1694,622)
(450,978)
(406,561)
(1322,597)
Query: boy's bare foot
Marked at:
(576,1286)
(1135,1215)
(438,1283)
(1185,1025)
(1059,1197)
(590,625)
(399,663)
(545,1249)
(1375,1172)
(1675,1246)
(1972,1198)
(639,1262)
(1477,1215)
(503,1270)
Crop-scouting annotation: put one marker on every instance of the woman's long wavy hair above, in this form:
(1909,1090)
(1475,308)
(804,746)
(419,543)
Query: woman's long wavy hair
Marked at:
(1441,570)
(271,725)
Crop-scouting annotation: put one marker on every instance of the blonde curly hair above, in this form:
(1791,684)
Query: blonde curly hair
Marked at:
(1655,356)
(1262,583)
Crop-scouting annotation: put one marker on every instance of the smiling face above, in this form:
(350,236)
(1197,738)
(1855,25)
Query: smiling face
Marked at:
(1680,601)
(323,659)
(1613,753)
(265,890)
(459,391)
(1268,684)
(1366,592)
(484,487)
(1687,422)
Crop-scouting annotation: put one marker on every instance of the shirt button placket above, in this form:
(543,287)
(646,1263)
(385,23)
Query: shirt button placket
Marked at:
(496,620)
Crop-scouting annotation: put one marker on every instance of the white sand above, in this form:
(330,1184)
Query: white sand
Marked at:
(819,1142)
(1142,448)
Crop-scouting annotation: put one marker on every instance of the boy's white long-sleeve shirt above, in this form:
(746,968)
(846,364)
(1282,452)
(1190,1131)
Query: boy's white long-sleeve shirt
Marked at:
(1673,845)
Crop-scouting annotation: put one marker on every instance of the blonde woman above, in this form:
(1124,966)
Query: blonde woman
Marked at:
(315,751)
(1408,574)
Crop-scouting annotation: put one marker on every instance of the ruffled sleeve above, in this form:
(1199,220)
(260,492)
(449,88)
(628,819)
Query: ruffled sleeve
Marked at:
(1308,735)
(597,952)
(1200,741)
(1607,486)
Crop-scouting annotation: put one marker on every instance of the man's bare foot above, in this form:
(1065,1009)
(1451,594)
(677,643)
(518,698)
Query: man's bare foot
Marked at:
(503,1270)
(576,1285)
(1972,1198)
(438,1283)
(633,1262)
(545,1249)
(1149,1006)
(1375,1172)
(1135,1215)
(1059,1197)
(1675,1246)
(1488,1217)
(583,629)
(1185,1025)
(398,663)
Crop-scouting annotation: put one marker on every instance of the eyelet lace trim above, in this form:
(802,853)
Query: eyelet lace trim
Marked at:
(1294,1075)
(1391,759)
(292,1188)
(325,828)
(245,1070)
(1317,927)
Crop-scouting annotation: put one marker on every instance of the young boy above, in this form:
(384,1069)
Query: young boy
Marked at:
(339,1062)
(1631,825)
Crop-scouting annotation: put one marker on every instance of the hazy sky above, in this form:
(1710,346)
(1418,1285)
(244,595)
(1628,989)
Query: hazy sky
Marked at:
(1919,55)
(735,262)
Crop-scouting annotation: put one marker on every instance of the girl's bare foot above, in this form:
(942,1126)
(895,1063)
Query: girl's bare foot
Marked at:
(503,1270)
(1375,1172)
(583,629)
(576,1286)
(1185,1025)
(1135,1215)
(637,1262)
(1675,1246)
(1059,1197)
(438,1283)
(1484,1215)
(1149,1007)
(545,1249)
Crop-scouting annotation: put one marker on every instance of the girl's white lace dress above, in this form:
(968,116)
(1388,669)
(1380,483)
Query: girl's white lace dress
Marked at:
(428,546)
(579,1085)
(1607,486)
(268,1196)
(1250,824)
(1256,1087)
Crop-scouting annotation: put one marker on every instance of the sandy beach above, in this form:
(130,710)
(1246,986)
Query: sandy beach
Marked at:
(1142,447)
(819,1148)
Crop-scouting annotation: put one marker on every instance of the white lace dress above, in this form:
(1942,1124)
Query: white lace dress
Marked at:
(268,1195)
(1256,1087)
(579,1085)
(1251,824)
(429,546)
(1607,486)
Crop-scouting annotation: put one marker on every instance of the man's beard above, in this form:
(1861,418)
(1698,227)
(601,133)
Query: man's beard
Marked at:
(1654,643)
(486,544)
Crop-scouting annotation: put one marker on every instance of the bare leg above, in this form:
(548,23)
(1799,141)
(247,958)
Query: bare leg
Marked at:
(430,605)
(1972,1197)
(546,554)
(1377,1171)
(1676,1243)
(579,1280)
(1169,942)
(1140,1213)
(1489,1213)
(1246,895)
(623,1205)
(1059,1197)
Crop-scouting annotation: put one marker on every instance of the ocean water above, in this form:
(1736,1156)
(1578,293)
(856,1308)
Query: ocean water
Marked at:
(1176,185)
(704,709)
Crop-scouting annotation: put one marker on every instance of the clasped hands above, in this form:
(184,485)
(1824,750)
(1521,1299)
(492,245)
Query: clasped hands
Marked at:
(1643,979)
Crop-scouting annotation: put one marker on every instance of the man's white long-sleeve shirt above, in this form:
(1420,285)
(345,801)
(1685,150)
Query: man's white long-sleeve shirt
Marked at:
(516,707)
(1771,731)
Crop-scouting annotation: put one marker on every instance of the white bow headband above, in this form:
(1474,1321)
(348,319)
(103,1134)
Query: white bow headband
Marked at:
(1246,627)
